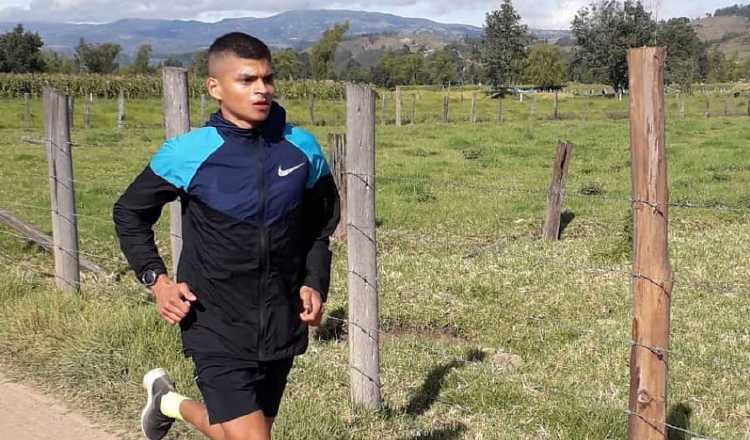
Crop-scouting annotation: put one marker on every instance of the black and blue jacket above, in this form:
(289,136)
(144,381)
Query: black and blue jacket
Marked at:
(258,206)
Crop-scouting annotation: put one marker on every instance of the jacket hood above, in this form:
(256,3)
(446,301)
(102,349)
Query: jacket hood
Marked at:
(271,129)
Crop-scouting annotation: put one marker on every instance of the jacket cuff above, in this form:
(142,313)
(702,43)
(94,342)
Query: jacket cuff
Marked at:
(318,284)
(158,267)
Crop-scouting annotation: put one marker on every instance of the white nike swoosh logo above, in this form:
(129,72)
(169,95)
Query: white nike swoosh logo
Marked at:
(284,173)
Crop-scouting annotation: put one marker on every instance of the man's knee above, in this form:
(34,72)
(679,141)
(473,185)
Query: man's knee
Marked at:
(250,427)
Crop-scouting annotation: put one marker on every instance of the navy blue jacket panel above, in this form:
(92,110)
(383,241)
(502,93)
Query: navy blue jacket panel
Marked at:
(258,207)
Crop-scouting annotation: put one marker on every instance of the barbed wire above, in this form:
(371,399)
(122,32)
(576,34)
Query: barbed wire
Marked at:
(88,217)
(429,181)
(657,425)
(660,352)
(71,252)
(554,391)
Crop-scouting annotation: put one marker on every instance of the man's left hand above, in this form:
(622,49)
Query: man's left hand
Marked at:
(312,306)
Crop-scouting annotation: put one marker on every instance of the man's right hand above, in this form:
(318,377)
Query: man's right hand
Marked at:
(172,299)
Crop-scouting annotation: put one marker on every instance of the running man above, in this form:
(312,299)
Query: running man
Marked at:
(258,206)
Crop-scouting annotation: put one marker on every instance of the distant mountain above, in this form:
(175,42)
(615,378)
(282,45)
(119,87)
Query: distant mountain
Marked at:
(296,29)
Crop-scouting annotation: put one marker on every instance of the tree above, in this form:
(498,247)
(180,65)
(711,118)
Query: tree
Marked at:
(684,51)
(400,67)
(545,67)
(199,67)
(504,45)
(734,67)
(290,64)
(322,54)
(97,58)
(354,72)
(172,61)
(141,64)
(745,69)
(718,66)
(56,63)
(20,51)
(441,67)
(604,31)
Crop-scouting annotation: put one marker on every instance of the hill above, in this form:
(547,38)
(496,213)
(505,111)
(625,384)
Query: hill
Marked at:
(369,34)
(296,29)
(730,33)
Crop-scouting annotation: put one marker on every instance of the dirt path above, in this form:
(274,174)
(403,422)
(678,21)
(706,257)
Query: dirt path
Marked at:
(27,414)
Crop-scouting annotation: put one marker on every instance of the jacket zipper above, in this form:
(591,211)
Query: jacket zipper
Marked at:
(263,247)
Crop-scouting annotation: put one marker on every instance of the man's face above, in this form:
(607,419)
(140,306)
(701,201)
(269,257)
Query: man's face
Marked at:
(244,87)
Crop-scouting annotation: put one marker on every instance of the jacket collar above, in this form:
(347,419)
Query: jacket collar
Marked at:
(272,129)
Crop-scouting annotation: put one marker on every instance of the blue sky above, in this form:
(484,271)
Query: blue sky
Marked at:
(546,14)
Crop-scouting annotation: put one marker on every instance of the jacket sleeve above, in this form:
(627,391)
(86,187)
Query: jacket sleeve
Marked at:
(322,217)
(134,215)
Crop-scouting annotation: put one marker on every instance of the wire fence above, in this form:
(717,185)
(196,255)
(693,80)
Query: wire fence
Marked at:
(376,334)
(452,186)
(426,107)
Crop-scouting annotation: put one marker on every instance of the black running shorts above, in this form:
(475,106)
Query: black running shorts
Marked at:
(232,388)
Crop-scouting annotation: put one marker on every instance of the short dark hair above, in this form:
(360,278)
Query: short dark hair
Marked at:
(240,44)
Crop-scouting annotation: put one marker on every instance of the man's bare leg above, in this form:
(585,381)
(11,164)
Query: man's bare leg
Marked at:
(253,426)
(195,413)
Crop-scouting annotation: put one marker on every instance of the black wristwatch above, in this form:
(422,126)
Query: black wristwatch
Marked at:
(149,276)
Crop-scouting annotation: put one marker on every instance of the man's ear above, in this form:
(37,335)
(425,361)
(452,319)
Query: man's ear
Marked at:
(214,88)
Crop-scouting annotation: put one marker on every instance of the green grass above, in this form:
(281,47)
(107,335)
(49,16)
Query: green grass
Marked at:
(463,275)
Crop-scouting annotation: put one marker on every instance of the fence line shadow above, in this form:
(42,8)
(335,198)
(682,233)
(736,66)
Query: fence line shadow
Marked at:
(333,328)
(450,433)
(427,394)
(679,416)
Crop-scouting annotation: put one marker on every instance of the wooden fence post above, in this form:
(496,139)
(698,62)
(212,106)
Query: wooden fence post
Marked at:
(556,192)
(364,332)
(382,109)
(681,105)
(176,108)
(499,110)
(726,106)
(555,106)
(748,106)
(121,110)
(337,155)
(532,107)
(413,108)
(398,106)
(445,108)
(708,106)
(27,110)
(45,241)
(87,114)
(71,111)
(473,116)
(62,190)
(311,108)
(652,275)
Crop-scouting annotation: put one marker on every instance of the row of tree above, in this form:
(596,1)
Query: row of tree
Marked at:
(506,54)
(21,52)
(739,10)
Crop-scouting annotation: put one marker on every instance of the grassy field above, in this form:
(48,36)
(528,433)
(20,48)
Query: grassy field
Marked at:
(464,279)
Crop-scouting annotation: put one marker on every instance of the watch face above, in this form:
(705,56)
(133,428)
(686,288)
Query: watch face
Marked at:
(149,277)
